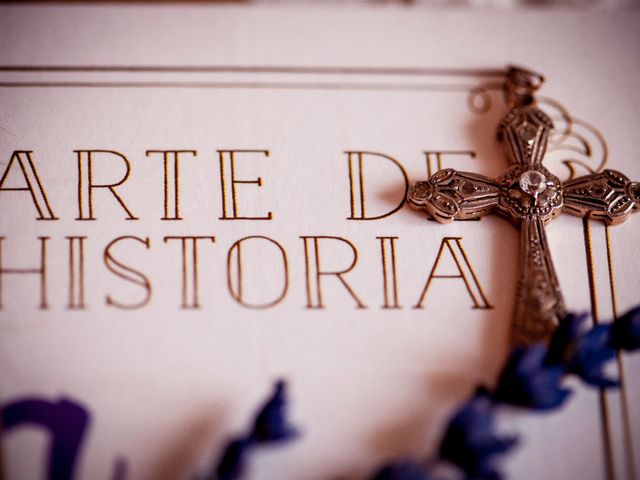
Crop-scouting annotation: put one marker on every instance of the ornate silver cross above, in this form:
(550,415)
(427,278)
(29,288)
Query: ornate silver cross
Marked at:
(529,196)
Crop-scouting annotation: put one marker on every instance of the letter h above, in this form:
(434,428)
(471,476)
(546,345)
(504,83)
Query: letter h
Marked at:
(41,271)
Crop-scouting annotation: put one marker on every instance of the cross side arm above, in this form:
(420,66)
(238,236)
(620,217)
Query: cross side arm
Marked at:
(608,196)
(450,195)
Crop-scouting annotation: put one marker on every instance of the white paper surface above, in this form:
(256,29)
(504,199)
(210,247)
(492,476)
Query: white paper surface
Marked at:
(166,385)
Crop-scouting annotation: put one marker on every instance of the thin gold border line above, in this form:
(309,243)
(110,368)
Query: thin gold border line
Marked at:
(249,85)
(280,69)
(624,401)
(604,414)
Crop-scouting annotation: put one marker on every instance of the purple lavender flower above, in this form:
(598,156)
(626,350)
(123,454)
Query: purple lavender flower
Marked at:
(590,352)
(403,470)
(625,331)
(66,421)
(561,342)
(471,442)
(582,353)
(269,426)
(527,381)
(231,465)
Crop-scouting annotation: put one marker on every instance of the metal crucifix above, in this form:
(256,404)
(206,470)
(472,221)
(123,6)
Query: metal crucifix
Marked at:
(529,196)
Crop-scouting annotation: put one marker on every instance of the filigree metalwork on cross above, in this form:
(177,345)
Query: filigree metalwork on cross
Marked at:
(530,196)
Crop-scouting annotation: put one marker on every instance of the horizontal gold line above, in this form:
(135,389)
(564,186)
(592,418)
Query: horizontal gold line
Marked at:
(318,70)
(247,85)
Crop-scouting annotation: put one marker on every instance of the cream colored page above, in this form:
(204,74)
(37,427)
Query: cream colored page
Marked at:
(168,375)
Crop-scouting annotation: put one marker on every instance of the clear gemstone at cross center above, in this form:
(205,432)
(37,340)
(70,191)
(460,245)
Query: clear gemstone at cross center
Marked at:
(533,182)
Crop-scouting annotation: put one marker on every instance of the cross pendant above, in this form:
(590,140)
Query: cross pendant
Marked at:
(529,196)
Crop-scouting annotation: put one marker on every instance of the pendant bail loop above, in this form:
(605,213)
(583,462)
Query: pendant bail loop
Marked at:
(520,86)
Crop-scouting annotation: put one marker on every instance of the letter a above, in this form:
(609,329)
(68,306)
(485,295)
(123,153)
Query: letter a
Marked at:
(32,183)
(465,273)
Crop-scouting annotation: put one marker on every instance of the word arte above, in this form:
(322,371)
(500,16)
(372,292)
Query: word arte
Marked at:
(326,258)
